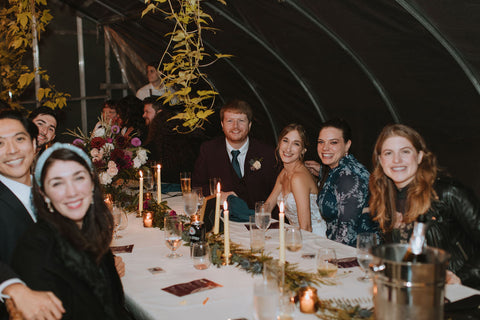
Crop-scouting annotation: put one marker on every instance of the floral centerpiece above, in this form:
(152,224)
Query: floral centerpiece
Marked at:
(116,154)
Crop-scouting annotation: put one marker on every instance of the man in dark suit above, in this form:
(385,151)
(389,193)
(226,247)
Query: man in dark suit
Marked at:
(17,152)
(245,166)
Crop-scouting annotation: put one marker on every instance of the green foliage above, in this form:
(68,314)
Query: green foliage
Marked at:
(17,20)
(184,57)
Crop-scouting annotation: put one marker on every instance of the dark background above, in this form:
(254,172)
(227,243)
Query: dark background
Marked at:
(371,62)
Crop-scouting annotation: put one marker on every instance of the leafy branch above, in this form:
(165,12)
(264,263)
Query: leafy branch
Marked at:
(184,56)
(16,38)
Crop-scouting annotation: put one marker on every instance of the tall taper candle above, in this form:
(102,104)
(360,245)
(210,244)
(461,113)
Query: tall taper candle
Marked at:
(281,215)
(140,193)
(226,233)
(216,226)
(159,184)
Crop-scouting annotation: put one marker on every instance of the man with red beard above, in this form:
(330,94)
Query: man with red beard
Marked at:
(245,166)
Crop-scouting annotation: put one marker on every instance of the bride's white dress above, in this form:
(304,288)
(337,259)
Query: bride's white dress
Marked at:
(319,227)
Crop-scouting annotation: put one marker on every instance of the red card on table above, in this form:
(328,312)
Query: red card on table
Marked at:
(183,289)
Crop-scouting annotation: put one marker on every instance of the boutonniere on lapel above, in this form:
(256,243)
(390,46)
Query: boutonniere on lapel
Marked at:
(255,164)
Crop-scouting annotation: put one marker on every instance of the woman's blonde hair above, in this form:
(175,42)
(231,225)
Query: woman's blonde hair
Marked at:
(382,188)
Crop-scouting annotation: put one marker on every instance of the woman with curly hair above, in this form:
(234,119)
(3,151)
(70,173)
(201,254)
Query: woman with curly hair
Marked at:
(405,184)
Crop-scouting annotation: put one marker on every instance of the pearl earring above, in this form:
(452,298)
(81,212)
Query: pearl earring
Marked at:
(49,204)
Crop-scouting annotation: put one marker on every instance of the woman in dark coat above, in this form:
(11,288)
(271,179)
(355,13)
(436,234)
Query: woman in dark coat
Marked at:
(67,251)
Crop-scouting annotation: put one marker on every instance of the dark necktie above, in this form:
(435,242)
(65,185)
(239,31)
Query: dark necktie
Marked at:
(235,164)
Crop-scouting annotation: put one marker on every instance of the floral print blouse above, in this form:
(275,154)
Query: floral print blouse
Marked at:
(342,200)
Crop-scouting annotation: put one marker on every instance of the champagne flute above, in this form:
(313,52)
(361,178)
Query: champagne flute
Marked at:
(173,235)
(365,242)
(263,217)
(148,179)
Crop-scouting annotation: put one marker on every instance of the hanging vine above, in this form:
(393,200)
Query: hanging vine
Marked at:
(183,59)
(17,22)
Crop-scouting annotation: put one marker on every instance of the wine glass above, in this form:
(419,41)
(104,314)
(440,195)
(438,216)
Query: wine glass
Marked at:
(190,202)
(148,179)
(200,197)
(173,235)
(326,262)
(117,220)
(365,242)
(293,238)
(262,216)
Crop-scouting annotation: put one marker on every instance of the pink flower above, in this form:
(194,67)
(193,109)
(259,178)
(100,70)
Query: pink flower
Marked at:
(136,142)
(78,142)
(109,140)
(115,129)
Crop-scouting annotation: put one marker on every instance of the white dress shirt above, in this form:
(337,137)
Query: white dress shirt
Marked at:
(241,157)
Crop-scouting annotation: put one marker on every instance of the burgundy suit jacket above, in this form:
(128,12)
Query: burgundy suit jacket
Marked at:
(255,185)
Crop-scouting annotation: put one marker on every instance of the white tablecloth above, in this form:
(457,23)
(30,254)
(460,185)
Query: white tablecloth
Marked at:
(233,300)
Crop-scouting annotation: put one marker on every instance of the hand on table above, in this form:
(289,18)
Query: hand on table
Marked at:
(452,278)
(119,265)
(35,305)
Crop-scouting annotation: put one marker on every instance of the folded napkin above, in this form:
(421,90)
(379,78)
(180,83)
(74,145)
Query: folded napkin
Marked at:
(183,289)
(238,209)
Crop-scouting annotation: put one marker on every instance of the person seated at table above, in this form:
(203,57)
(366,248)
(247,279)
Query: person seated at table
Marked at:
(343,186)
(130,113)
(406,183)
(175,151)
(68,250)
(245,166)
(295,185)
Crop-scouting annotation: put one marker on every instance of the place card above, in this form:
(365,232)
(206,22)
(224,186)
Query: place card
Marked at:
(347,262)
(122,249)
(183,289)
(156,270)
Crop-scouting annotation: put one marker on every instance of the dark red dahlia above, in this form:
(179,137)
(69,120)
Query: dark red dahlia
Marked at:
(97,142)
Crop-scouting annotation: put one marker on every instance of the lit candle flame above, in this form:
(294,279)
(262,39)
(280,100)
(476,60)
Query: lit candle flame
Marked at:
(140,173)
(159,166)
(218,187)
(225,205)
(282,207)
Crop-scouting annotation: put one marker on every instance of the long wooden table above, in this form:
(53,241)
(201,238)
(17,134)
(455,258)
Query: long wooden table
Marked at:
(234,299)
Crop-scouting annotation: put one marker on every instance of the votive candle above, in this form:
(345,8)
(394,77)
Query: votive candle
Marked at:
(308,300)
(216,225)
(148,219)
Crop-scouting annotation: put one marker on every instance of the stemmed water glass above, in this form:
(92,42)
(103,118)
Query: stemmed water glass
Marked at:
(200,197)
(190,201)
(173,235)
(117,220)
(263,217)
(365,242)
(148,179)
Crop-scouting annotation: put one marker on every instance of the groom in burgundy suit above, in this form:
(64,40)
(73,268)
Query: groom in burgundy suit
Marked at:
(245,166)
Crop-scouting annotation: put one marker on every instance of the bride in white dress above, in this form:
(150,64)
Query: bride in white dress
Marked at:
(295,185)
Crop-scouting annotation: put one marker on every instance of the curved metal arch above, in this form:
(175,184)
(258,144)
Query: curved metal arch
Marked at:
(416,13)
(250,33)
(342,43)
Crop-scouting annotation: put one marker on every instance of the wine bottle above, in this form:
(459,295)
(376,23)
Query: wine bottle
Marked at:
(415,251)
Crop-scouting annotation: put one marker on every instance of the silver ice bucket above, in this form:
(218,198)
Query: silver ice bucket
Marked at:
(405,290)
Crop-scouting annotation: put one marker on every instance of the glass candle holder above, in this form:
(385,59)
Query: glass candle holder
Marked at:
(307,298)
(147,219)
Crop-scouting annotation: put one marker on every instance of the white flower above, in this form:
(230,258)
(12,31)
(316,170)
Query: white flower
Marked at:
(111,164)
(137,163)
(105,178)
(142,155)
(112,171)
(257,165)
(100,132)
(107,147)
